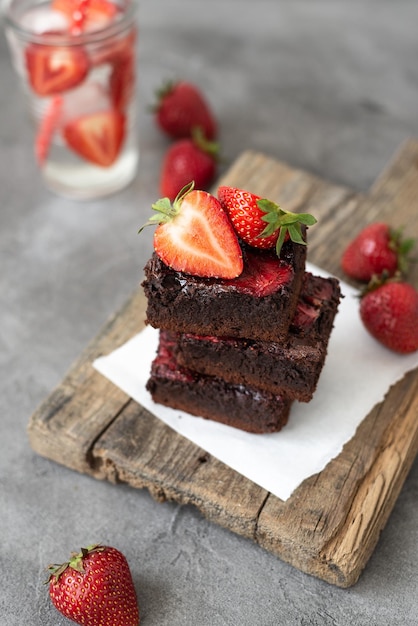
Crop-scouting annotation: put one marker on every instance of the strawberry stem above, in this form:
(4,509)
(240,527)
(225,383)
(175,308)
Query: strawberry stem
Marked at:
(286,222)
(75,562)
(209,147)
(402,248)
(165,210)
(378,280)
(164,90)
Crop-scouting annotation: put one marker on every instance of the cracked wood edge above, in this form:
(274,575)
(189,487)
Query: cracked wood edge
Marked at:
(376,495)
(173,468)
(335,540)
(67,423)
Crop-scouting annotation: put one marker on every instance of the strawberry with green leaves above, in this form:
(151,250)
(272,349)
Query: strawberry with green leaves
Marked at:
(260,222)
(181,108)
(389,311)
(188,159)
(377,248)
(95,588)
(195,236)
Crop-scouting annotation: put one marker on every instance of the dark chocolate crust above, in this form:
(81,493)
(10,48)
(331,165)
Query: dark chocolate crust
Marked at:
(212,398)
(182,303)
(291,368)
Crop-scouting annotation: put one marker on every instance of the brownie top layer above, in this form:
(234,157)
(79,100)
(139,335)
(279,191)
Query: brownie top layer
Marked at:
(259,304)
(264,274)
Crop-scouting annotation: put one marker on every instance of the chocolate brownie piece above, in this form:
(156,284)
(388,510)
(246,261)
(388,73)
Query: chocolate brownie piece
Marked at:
(240,406)
(259,304)
(291,368)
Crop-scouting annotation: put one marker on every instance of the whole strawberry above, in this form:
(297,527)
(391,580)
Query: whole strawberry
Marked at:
(188,159)
(95,588)
(377,248)
(181,108)
(261,223)
(389,311)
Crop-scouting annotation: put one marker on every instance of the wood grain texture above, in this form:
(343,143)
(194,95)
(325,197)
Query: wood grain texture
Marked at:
(330,525)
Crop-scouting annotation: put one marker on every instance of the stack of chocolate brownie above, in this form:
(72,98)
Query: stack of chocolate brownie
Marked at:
(240,351)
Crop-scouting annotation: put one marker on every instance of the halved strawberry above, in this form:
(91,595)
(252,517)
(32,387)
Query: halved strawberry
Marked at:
(55,69)
(48,125)
(118,50)
(86,14)
(261,223)
(97,137)
(195,236)
(122,81)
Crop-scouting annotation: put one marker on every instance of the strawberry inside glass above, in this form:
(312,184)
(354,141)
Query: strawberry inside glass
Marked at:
(77,62)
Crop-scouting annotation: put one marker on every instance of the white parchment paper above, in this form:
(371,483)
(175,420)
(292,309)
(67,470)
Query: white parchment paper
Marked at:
(357,374)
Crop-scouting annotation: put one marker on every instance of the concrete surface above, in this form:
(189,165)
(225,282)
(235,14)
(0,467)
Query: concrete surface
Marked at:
(330,86)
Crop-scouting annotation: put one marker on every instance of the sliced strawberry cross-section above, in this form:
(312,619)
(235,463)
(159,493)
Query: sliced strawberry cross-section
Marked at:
(86,14)
(263,274)
(55,69)
(97,137)
(122,82)
(195,235)
(48,126)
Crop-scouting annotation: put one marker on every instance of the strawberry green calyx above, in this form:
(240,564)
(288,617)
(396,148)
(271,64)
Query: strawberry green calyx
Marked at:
(167,210)
(209,147)
(286,222)
(378,280)
(75,562)
(402,248)
(160,93)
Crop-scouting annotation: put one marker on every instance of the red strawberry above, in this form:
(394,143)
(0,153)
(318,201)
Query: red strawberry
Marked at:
(260,222)
(376,248)
(95,587)
(47,127)
(389,311)
(54,69)
(117,51)
(263,274)
(122,81)
(186,160)
(97,137)
(181,108)
(195,235)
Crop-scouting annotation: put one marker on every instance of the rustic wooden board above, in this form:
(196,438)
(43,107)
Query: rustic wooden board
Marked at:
(331,524)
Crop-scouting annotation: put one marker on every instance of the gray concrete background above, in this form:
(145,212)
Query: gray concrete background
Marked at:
(329,86)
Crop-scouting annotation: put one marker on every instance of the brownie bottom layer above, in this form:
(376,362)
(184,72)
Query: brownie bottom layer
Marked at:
(240,406)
